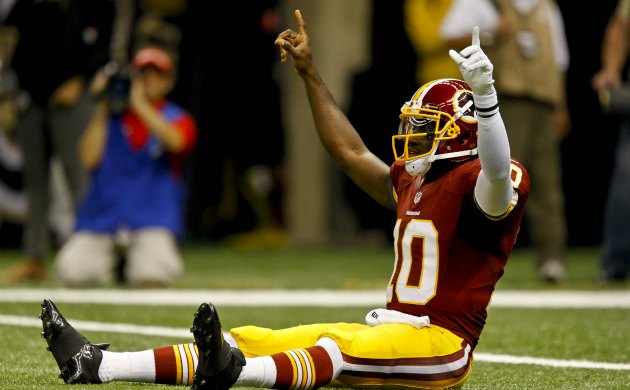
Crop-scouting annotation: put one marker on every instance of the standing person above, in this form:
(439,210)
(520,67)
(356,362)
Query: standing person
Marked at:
(459,200)
(52,64)
(531,57)
(615,261)
(434,26)
(12,196)
(136,192)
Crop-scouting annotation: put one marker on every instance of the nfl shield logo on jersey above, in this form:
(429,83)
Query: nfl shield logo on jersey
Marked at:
(417,198)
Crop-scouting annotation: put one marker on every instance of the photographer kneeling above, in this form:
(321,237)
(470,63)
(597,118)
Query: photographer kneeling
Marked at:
(134,147)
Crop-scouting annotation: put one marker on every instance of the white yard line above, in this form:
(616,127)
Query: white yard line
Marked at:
(511,359)
(101,327)
(323,298)
(185,333)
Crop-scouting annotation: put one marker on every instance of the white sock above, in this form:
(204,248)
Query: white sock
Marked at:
(258,372)
(261,371)
(229,339)
(334,352)
(127,366)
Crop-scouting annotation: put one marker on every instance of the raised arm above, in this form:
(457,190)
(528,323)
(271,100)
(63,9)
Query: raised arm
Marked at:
(335,132)
(92,142)
(493,191)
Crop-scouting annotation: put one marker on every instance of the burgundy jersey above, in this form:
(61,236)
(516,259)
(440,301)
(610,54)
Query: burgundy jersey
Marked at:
(449,255)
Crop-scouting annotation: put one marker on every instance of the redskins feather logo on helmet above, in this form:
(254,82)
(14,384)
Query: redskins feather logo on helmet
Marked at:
(439,122)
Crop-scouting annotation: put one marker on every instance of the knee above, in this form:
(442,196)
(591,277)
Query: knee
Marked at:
(72,270)
(153,272)
(82,261)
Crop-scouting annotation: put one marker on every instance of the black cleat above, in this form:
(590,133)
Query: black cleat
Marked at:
(76,357)
(83,366)
(219,363)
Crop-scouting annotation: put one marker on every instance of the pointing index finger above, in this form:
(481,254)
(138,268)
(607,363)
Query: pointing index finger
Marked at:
(475,36)
(300,22)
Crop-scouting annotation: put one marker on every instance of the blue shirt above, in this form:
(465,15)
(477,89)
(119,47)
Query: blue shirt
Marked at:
(137,184)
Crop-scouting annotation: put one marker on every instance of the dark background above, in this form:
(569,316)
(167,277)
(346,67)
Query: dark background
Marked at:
(588,151)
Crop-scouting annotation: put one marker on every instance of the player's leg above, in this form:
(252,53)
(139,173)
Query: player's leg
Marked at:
(83,362)
(401,355)
(76,357)
(86,258)
(281,359)
(317,355)
(153,258)
(256,341)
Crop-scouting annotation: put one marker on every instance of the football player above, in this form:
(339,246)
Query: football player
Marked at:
(459,199)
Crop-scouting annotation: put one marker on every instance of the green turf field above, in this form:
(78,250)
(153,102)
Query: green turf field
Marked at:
(558,348)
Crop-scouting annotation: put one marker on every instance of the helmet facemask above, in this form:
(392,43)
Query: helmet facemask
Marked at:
(420,132)
(430,131)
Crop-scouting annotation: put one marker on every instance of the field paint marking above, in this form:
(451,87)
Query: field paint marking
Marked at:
(321,298)
(185,333)
(511,359)
(101,326)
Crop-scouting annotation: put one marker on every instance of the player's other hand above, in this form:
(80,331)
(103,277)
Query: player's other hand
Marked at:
(475,66)
(295,44)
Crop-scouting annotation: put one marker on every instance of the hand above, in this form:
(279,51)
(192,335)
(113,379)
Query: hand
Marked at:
(475,66)
(100,81)
(296,45)
(606,78)
(69,92)
(138,98)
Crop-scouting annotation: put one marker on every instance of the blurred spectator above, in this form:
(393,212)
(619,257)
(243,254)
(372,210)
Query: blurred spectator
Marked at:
(136,196)
(52,61)
(435,26)
(531,57)
(12,197)
(611,84)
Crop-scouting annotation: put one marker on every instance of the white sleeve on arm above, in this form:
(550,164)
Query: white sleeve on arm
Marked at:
(558,36)
(493,191)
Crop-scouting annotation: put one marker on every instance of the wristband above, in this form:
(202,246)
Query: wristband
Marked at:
(486,105)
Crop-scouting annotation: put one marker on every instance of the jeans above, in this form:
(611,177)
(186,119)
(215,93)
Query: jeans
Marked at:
(616,230)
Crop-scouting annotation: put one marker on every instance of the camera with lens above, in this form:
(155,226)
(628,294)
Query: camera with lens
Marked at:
(118,87)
